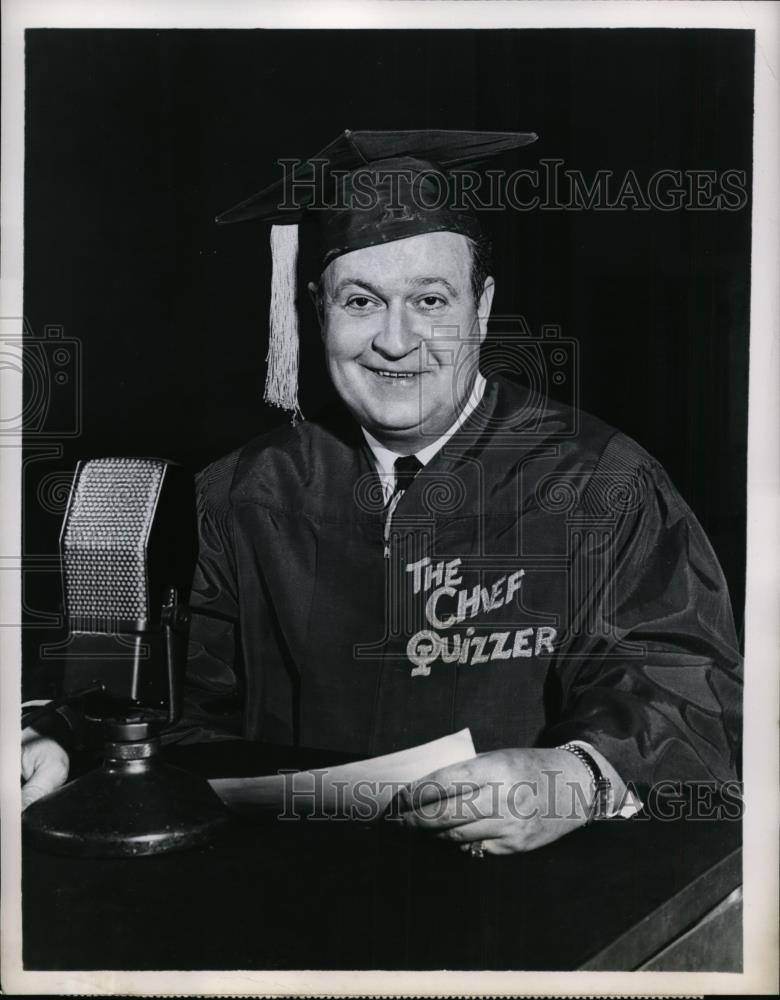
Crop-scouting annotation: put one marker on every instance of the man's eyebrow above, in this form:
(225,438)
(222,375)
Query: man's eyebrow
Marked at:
(437,281)
(353,281)
(415,282)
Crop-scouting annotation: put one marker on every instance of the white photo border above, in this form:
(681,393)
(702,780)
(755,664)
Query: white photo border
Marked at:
(762,624)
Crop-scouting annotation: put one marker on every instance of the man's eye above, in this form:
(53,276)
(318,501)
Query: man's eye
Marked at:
(361,303)
(429,302)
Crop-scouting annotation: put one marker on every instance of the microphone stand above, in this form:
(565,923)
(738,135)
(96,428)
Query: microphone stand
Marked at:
(134,804)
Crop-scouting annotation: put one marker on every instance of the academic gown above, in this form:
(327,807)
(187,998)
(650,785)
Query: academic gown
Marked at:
(541,581)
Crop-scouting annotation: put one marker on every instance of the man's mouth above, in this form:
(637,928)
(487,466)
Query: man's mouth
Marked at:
(390,374)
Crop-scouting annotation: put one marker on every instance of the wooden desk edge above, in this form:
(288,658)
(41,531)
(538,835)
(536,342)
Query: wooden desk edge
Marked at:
(655,931)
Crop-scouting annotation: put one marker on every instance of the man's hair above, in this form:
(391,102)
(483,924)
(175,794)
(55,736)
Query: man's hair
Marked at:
(481,264)
(481,269)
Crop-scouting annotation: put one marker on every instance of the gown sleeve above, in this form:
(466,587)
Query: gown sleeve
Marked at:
(213,696)
(649,672)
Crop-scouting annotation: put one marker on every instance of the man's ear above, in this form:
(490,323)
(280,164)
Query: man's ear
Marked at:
(316,298)
(484,306)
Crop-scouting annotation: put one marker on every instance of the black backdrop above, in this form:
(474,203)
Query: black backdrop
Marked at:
(135,139)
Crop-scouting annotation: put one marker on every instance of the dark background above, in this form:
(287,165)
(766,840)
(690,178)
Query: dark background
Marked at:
(135,139)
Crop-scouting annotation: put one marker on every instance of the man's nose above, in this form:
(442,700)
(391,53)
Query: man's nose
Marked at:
(399,333)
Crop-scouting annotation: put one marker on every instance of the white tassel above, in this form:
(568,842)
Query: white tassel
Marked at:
(281,383)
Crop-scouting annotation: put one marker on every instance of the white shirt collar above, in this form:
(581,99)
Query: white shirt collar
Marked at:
(385,459)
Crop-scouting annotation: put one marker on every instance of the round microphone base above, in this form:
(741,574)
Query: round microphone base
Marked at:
(133,805)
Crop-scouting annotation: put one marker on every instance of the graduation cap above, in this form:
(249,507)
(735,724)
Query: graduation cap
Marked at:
(363,189)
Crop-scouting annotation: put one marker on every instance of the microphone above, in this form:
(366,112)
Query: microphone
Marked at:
(128,548)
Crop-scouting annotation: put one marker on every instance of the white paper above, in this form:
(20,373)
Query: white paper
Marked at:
(361,790)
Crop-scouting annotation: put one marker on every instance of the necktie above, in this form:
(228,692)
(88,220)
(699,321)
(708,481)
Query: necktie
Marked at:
(406,468)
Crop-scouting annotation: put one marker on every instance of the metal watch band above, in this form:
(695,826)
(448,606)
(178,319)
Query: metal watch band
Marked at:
(601,786)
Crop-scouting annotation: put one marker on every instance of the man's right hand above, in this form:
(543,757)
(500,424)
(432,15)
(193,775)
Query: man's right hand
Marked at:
(44,766)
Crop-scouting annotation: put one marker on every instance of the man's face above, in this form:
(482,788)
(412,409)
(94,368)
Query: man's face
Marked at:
(402,334)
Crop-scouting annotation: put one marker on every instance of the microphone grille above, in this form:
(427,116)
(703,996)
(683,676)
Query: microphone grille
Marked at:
(105,535)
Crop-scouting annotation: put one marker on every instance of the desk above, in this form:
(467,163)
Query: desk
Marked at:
(336,895)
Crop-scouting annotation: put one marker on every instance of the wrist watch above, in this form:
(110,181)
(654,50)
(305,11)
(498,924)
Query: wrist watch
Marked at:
(602,786)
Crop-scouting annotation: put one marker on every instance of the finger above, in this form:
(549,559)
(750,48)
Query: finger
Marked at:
(46,777)
(463,770)
(33,791)
(431,790)
(471,833)
(457,810)
(497,846)
(445,782)
(31,753)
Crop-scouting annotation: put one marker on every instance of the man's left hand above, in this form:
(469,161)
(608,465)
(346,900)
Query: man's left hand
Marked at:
(510,800)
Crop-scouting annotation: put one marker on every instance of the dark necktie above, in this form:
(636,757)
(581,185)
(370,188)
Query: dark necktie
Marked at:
(406,468)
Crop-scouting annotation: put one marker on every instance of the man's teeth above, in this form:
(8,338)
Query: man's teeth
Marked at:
(387,374)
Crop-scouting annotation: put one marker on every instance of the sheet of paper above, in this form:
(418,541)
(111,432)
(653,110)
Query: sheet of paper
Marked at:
(361,790)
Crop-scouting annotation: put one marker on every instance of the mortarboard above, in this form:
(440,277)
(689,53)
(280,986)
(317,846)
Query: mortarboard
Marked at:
(363,189)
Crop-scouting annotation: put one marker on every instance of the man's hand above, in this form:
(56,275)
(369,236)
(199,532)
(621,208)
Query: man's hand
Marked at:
(44,766)
(511,800)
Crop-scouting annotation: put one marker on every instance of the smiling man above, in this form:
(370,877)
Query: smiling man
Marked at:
(393,319)
(445,550)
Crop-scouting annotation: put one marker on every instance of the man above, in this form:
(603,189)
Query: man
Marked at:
(442,550)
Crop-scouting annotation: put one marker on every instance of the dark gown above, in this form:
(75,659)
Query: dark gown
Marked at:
(543,582)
